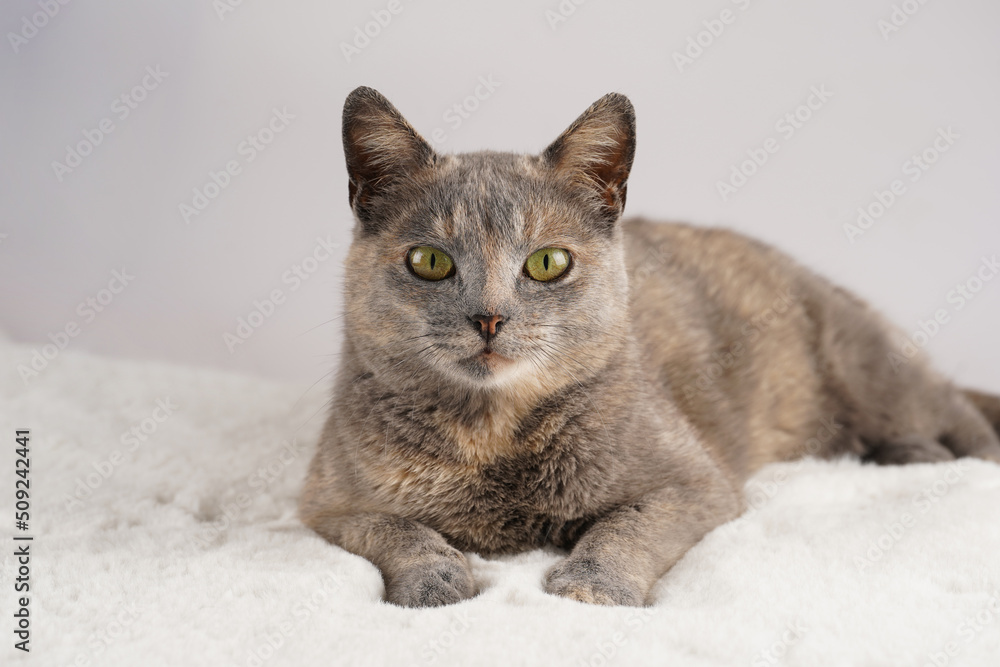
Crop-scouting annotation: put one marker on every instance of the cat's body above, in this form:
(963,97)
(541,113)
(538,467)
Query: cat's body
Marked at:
(615,410)
(772,362)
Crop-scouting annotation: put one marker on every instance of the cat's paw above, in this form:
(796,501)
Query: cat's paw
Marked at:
(989,455)
(431,581)
(908,449)
(587,580)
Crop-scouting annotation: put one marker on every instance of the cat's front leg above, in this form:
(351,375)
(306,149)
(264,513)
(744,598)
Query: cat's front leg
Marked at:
(418,566)
(621,557)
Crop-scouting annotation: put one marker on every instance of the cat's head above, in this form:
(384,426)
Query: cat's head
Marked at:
(487,269)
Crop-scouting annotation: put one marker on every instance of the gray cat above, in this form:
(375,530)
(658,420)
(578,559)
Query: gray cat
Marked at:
(523,368)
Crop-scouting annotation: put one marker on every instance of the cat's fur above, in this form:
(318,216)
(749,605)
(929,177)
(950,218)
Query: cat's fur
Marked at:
(640,391)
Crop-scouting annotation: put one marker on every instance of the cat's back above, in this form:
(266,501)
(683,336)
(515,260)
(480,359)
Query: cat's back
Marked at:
(703,276)
(716,259)
(724,320)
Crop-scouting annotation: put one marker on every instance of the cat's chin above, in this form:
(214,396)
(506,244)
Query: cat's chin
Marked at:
(489,369)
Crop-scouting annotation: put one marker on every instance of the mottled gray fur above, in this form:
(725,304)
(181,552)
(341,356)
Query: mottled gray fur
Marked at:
(620,408)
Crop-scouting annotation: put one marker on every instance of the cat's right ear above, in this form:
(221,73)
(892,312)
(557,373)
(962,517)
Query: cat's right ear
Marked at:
(380,147)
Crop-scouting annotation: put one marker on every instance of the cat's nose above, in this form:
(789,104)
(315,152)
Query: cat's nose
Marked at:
(488,326)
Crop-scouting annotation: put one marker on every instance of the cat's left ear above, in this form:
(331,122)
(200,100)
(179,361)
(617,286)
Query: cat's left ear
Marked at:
(596,152)
(381,148)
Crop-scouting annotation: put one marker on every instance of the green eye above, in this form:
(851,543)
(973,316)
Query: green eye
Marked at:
(430,263)
(547,264)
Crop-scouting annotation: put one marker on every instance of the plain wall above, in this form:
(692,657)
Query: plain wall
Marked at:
(63,234)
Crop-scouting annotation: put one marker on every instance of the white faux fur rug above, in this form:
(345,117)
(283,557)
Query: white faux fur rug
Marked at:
(163,510)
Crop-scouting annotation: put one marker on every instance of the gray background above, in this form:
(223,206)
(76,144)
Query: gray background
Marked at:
(227,71)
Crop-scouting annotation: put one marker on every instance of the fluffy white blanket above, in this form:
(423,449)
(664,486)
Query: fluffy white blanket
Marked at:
(163,510)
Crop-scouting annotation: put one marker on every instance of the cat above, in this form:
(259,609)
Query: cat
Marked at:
(521,367)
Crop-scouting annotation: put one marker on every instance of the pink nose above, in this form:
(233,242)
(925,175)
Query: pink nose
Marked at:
(487,325)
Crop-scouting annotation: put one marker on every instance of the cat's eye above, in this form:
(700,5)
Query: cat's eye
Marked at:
(547,264)
(430,263)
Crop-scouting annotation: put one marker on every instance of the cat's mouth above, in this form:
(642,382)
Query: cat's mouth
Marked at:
(491,354)
(490,359)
